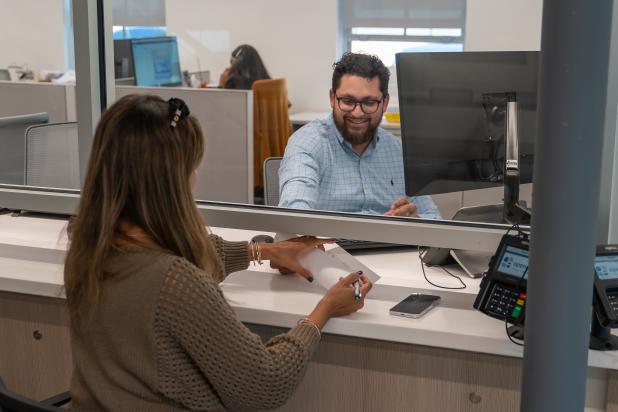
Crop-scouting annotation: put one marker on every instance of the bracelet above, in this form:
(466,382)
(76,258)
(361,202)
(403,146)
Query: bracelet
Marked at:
(256,252)
(307,321)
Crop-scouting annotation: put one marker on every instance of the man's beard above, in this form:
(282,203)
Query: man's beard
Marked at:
(355,138)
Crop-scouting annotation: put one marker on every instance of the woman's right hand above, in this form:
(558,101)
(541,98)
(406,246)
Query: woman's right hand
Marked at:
(224,76)
(340,299)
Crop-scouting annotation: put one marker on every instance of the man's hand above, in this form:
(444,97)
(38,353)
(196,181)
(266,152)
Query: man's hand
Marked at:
(402,207)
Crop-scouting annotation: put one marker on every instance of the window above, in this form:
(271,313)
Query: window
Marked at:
(392,26)
(134,19)
(138,32)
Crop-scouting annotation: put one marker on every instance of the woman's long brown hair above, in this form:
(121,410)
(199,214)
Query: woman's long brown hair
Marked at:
(138,172)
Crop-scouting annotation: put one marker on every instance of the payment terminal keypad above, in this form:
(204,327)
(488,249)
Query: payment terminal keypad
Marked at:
(507,302)
(612,299)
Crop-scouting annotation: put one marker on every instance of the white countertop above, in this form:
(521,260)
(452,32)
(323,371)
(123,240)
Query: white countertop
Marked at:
(32,251)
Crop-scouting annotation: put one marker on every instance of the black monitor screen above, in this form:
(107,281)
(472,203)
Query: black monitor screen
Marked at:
(123,59)
(156,62)
(452,109)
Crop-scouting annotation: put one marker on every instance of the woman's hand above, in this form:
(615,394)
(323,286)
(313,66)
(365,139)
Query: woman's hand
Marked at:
(340,299)
(284,255)
(224,76)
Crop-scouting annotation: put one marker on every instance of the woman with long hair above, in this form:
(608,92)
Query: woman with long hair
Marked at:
(150,327)
(246,66)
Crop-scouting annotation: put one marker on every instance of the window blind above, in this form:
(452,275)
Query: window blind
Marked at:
(138,12)
(404,13)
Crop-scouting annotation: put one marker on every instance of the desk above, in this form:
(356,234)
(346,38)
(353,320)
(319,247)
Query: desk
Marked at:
(300,119)
(452,359)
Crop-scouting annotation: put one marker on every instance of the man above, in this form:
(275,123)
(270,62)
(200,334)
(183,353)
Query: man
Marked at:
(346,162)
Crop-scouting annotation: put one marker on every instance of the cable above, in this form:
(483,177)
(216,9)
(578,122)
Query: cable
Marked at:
(420,257)
(506,329)
(520,232)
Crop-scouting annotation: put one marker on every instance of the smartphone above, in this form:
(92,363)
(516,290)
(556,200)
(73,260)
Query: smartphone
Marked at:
(415,305)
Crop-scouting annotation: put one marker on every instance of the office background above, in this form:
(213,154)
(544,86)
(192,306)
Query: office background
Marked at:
(298,40)
(493,28)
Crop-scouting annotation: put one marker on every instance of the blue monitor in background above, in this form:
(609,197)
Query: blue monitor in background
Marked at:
(156,62)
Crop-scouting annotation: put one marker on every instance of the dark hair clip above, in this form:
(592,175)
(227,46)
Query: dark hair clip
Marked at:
(178,109)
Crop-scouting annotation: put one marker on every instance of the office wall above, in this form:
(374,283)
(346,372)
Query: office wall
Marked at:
(296,40)
(503,25)
(32,33)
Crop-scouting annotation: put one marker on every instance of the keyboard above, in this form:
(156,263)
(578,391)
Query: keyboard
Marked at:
(352,244)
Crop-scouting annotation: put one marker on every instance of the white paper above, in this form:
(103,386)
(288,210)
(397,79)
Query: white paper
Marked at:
(329,266)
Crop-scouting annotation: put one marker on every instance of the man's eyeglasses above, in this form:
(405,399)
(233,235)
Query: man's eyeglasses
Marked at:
(348,104)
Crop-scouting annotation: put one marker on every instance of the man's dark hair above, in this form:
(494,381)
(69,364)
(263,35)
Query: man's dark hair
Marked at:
(364,65)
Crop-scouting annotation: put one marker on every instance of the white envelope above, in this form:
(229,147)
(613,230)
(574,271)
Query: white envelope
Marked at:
(329,266)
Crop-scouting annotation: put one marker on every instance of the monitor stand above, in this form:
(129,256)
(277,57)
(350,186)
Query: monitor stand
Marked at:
(496,213)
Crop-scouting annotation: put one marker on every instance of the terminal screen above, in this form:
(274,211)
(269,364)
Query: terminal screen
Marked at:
(606,267)
(514,262)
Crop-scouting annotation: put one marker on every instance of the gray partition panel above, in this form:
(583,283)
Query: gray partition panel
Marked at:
(17,98)
(226,117)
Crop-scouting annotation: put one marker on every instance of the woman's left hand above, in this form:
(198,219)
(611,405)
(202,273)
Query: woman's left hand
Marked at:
(284,255)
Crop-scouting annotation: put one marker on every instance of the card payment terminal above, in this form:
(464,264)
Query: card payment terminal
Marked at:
(606,285)
(502,292)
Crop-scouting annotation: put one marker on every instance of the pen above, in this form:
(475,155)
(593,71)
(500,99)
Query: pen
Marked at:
(357,292)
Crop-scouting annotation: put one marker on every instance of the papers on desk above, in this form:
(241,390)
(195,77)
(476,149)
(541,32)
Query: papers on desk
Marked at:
(328,266)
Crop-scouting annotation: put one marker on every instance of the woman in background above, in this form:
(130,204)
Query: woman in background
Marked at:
(150,327)
(246,66)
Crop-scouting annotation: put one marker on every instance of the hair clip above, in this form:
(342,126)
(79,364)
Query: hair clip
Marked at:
(178,108)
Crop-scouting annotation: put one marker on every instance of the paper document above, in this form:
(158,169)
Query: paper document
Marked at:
(327,267)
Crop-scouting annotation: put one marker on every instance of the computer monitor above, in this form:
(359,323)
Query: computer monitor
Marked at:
(454,111)
(156,62)
(123,59)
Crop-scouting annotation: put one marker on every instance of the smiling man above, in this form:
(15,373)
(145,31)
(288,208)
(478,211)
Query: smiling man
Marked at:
(346,162)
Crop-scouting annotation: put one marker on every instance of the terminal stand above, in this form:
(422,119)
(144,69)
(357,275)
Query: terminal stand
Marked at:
(601,338)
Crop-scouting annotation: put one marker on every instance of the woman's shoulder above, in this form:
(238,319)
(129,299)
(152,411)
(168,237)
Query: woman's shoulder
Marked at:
(138,260)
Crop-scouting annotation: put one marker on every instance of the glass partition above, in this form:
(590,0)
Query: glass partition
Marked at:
(37,106)
(206,36)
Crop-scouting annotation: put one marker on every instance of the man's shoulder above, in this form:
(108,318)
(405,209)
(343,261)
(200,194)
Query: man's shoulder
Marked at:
(388,137)
(312,134)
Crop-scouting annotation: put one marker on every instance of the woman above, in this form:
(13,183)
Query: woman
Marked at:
(150,327)
(246,66)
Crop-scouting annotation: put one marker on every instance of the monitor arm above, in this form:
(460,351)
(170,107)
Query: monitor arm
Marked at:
(514,212)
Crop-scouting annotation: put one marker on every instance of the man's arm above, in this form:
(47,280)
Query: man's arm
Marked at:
(425,207)
(418,206)
(299,177)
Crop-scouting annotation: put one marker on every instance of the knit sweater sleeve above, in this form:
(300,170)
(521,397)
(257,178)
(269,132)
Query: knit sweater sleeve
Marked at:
(234,256)
(243,372)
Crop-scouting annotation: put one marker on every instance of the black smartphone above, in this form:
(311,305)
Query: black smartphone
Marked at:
(415,305)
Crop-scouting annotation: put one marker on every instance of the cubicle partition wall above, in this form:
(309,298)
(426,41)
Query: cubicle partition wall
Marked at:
(19,98)
(226,117)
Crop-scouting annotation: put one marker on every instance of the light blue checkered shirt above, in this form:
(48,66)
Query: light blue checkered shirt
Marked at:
(320,170)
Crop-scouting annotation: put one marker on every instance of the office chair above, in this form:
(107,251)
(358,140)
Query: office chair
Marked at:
(4,74)
(12,141)
(271,123)
(52,156)
(12,402)
(271,181)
